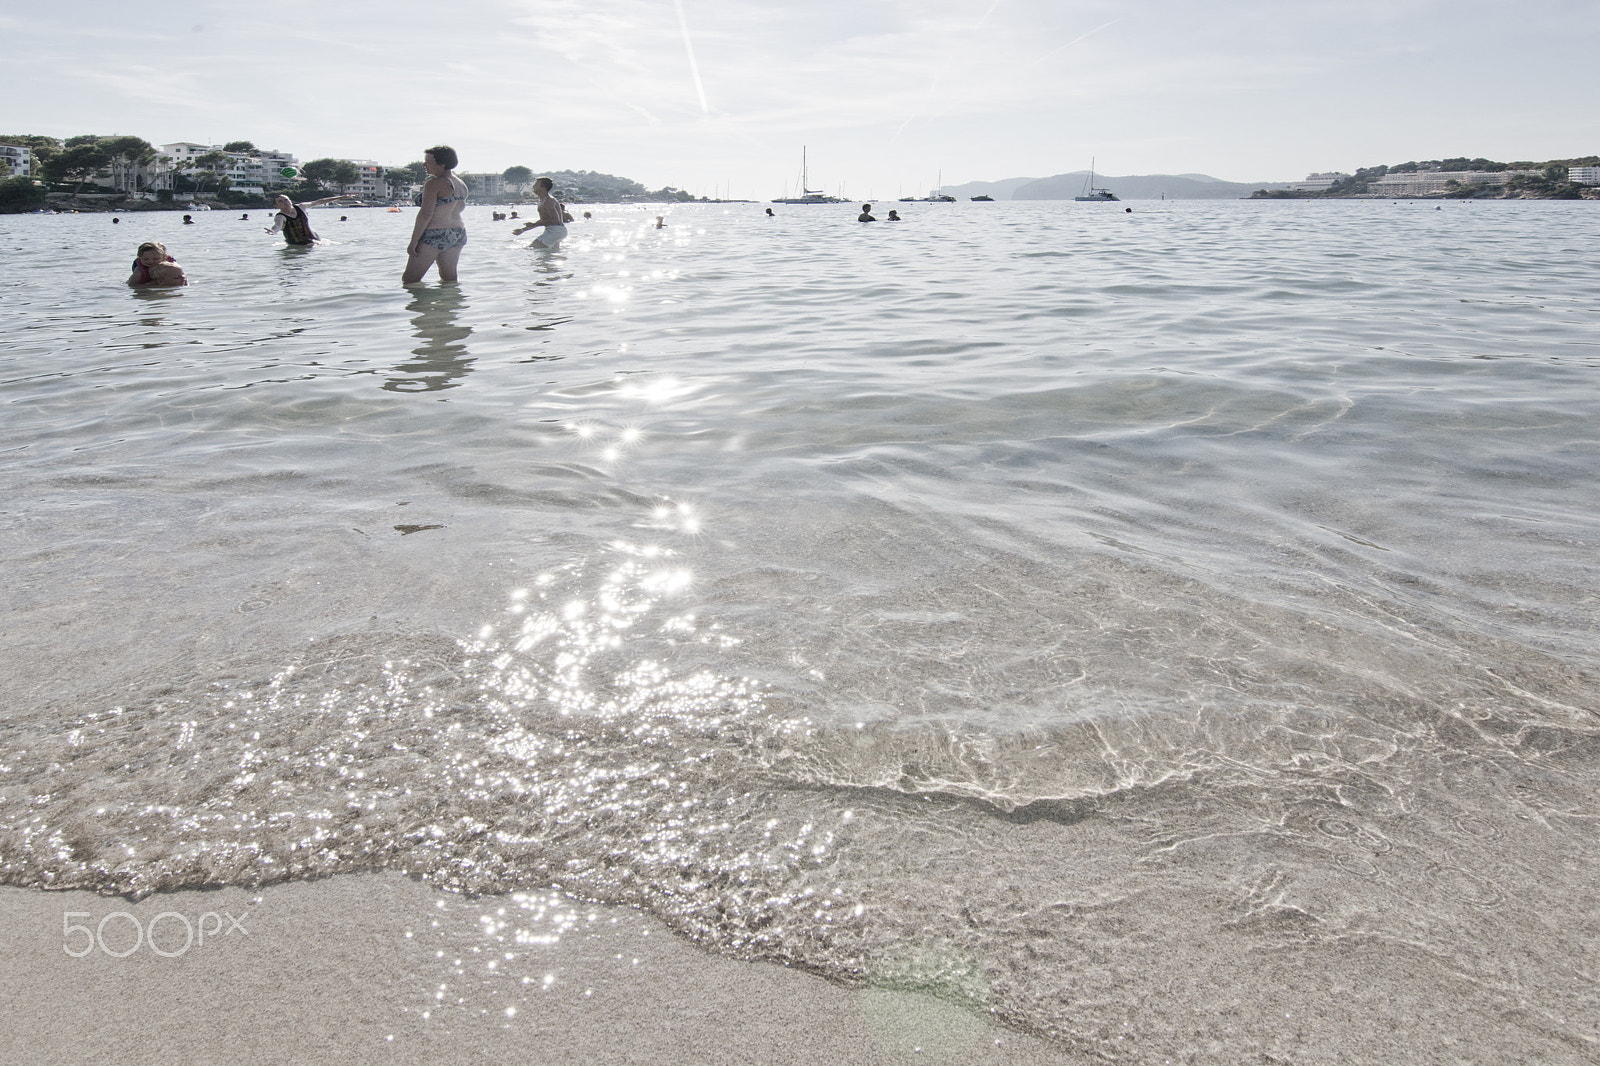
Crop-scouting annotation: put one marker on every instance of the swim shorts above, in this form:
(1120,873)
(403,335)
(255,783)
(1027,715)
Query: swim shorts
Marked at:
(444,239)
(550,238)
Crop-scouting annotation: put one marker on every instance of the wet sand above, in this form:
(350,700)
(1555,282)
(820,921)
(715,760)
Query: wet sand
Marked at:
(380,968)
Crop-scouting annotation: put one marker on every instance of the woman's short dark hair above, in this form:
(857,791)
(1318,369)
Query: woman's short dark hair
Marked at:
(443,155)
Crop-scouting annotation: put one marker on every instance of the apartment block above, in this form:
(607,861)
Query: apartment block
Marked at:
(1437,182)
(1317,182)
(372,184)
(484,184)
(18,160)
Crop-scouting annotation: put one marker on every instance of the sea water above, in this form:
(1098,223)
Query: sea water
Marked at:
(1171,631)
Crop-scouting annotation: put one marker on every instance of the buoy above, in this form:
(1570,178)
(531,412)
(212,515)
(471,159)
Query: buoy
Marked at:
(394,210)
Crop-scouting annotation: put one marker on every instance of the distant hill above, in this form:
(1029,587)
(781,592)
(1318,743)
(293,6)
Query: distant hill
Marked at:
(1000,190)
(1127,187)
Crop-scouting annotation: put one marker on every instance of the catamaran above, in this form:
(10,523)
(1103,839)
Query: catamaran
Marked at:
(809,196)
(1092,194)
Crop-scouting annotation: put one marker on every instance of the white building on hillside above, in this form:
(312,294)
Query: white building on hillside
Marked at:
(249,171)
(371,183)
(17,159)
(484,184)
(1586,175)
(1439,182)
(1316,182)
(184,153)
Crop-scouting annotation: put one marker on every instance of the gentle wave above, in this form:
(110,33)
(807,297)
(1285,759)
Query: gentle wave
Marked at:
(1055,608)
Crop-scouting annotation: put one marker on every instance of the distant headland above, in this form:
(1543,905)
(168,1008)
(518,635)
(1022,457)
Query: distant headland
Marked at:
(1452,179)
(126,173)
(1128,187)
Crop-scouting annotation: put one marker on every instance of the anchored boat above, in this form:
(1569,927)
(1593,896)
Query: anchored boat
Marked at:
(809,196)
(1093,194)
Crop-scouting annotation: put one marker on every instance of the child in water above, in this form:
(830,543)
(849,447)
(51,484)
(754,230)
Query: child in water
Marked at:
(155,267)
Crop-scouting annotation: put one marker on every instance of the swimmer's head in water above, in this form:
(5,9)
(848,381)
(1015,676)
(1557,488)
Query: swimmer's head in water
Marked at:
(544,184)
(443,156)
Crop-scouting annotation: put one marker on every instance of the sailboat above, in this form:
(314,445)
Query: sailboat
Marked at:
(1092,194)
(810,196)
(935,196)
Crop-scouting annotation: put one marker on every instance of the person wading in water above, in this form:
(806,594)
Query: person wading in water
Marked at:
(293,222)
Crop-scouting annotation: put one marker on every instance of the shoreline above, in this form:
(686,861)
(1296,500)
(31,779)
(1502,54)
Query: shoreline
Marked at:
(380,967)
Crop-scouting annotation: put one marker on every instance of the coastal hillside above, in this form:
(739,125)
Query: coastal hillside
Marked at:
(1458,178)
(1127,187)
(1000,190)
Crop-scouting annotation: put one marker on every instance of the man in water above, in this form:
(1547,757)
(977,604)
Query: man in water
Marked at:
(551,217)
(866,214)
(293,221)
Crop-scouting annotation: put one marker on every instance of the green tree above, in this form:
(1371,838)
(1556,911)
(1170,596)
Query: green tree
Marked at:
(401,179)
(517,175)
(78,162)
(326,172)
(20,194)
(206,166)
(317,171)
(242,147)
(126,155)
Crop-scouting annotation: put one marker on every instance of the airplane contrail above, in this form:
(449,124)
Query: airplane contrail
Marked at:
(1072,42)
(688,47)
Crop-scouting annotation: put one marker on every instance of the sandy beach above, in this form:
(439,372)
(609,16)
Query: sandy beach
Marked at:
(381,968)
(1087,664)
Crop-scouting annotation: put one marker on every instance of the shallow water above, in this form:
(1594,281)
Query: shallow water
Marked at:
(1173,631)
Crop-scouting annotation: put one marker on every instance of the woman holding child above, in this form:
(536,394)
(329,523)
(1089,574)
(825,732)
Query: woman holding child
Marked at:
(155,268)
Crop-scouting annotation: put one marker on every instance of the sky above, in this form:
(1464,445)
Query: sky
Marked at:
(886,97)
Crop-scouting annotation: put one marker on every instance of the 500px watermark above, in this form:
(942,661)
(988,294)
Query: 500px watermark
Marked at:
(127,934)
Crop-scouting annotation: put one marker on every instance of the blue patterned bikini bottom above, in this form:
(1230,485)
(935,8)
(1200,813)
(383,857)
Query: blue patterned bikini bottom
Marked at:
(444,239)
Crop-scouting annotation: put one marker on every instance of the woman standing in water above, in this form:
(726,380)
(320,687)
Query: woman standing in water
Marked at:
(438,234)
